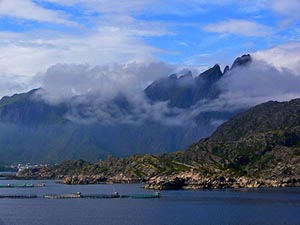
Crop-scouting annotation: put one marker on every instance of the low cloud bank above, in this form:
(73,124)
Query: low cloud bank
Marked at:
(114,93)
(62,82)
(109,94)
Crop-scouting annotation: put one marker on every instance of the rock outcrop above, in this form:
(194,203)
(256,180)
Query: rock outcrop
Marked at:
(195,181)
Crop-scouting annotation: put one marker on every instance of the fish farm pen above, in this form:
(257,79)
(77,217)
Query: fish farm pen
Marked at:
(18,196)
(26,185)
(79,195)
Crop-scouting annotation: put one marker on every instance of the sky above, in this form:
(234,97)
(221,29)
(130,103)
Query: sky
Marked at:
(36,35)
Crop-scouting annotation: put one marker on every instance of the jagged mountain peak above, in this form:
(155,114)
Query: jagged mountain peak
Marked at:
(184,91)
(226,69)
(242,61)
(212,74)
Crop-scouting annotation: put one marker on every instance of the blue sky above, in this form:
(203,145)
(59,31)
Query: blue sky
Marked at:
(35,34)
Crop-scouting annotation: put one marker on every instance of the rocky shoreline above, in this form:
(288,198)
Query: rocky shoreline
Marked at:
(195,181)
(99,179)
(186,181)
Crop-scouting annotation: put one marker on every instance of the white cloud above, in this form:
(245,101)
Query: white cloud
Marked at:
(260,82)
(95,87)
(90,92)
(105,38)
(12,85)
(62,82)
(34,52)
(273,75)
(239,27)
(282,57)
(111,39)
(26,9)
(247,86)
(290,9)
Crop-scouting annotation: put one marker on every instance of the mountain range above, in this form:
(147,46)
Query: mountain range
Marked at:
(256,148)
(34,130)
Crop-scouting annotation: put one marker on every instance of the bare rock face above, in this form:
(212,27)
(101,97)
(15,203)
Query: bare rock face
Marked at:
(174,184)
(197,181)
(83,179)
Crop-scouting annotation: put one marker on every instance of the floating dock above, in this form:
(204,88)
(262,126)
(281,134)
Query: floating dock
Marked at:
(79,195)
(26,185)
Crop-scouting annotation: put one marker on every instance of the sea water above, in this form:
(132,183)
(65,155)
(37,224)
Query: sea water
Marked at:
(232,206)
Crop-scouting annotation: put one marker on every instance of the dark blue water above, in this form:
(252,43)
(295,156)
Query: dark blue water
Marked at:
(263,206)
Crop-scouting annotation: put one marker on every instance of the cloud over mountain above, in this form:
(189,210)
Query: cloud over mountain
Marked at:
(116,92)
